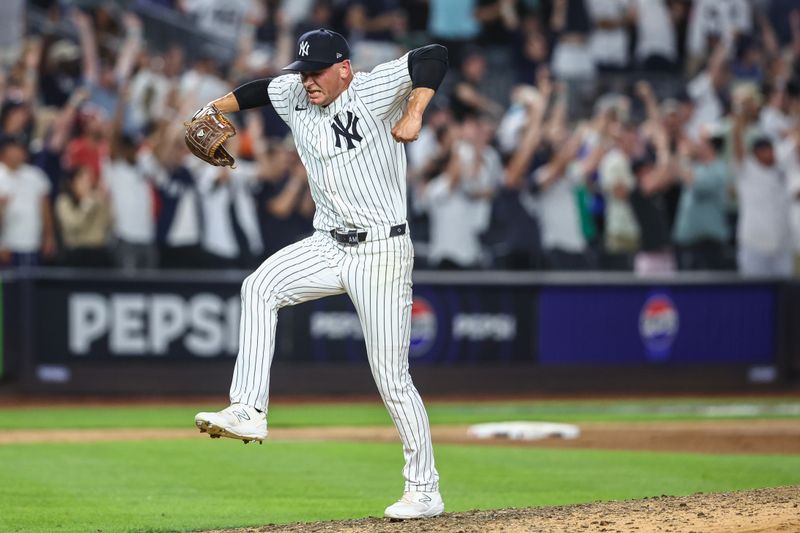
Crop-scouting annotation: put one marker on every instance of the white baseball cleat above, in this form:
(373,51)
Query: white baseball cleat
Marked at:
(238,421)
(416,505)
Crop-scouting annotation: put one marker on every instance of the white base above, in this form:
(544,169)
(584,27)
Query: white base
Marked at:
(524,430)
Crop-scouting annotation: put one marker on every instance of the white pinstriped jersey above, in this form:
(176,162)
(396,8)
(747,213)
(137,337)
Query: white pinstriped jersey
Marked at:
(356,170)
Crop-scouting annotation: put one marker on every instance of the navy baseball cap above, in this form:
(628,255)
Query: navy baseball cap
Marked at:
(319,49)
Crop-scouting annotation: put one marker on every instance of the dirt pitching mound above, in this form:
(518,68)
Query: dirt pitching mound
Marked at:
(753,511)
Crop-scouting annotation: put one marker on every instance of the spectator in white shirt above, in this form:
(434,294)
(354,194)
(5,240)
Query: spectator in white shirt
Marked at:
(483,169)
(775,118)
(716,20)
(789,155)
(656,41)
(131,199)
(608,41)
(512,126)
(151,86)
(705,91)
(458,200)
(26,232)
(763,232)
(572,57)
(556,184)
(454,242)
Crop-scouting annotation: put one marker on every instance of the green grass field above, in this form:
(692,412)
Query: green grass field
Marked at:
(179,485)
(374,414)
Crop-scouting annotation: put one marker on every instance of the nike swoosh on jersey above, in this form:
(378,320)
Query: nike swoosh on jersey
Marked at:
(298,108)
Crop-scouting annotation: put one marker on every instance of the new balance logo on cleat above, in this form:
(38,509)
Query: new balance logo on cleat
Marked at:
(242,415)
(425,499)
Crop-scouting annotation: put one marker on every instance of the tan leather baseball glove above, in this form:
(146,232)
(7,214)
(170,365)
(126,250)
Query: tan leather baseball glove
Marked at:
(206,134)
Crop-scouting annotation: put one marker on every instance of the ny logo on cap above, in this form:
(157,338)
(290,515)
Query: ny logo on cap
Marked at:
(303,49)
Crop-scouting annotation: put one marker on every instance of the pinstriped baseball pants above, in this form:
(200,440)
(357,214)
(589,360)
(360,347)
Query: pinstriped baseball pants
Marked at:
(377,276)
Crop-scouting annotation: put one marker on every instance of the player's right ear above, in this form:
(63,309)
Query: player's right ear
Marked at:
(345,69)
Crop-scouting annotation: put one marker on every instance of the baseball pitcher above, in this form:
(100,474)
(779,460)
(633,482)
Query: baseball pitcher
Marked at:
(349,129)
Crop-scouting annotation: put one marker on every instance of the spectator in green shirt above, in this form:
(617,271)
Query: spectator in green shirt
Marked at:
(700,228)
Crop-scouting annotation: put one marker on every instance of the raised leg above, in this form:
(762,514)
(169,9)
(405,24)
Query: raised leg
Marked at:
(301,272)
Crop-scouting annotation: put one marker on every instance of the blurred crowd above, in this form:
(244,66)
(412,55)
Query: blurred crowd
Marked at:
(641,135)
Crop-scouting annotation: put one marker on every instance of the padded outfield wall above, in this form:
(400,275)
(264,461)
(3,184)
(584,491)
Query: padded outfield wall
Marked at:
(472,333)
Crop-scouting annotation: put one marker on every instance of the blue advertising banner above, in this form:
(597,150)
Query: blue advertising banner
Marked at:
(162,332)
(449,325)
(133,320)
(632,325)
(111,320)
(452,324)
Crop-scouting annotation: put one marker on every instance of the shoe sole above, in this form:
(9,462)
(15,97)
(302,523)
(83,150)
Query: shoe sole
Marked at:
(216,432)
(436,511)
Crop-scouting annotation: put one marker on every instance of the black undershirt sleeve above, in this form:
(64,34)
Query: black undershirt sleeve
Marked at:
(427,66)
(253,94)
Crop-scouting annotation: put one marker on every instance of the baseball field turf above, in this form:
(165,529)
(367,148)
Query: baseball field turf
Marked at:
(141,468)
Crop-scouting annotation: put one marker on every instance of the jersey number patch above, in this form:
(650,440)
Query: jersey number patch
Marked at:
(349,132)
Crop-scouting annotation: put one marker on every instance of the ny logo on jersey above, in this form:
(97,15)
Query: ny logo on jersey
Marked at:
(303,49)
(349,132)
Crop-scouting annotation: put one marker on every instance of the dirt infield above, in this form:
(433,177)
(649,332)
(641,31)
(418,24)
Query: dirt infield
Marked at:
(754,511)
(728,436)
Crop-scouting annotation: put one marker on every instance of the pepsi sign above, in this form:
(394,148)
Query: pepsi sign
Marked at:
(658,326)
(423,327)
